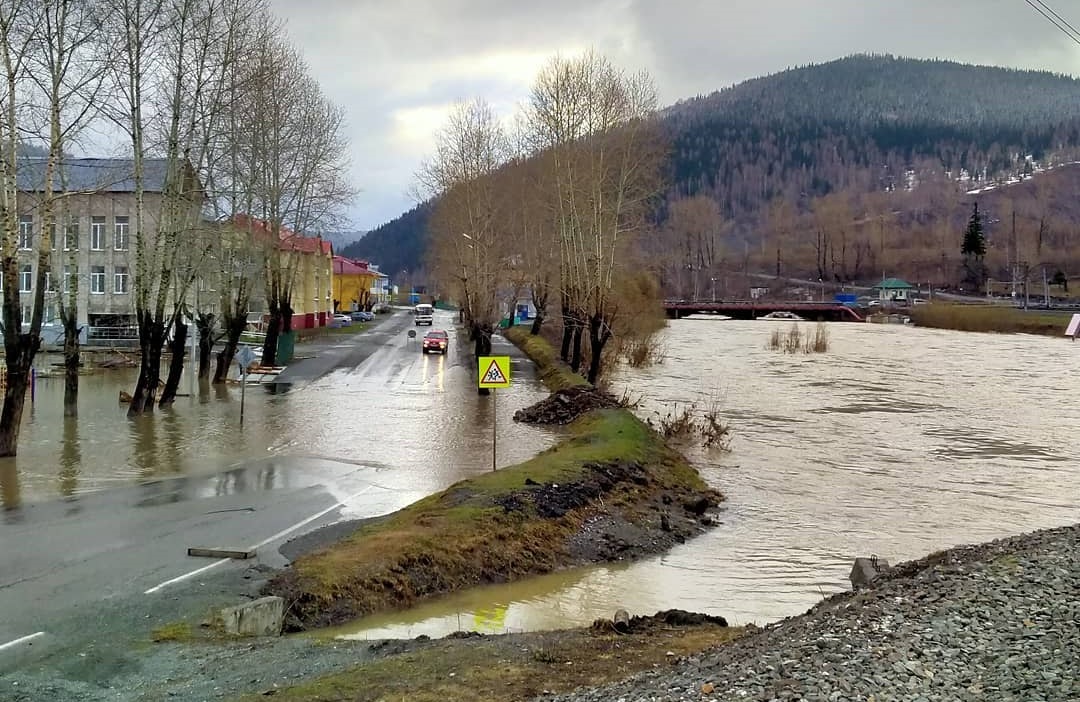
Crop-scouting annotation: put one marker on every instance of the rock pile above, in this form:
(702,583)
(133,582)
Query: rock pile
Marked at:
(564,406)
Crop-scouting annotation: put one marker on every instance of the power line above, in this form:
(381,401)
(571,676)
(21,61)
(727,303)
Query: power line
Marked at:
(1055,19)
(1059,17)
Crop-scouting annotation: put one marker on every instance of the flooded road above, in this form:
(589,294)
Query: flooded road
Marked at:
(409,422)
(897,442)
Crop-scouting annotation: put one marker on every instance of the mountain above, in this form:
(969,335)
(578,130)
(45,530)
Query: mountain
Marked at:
(397,246)
(837,143)
(341,240)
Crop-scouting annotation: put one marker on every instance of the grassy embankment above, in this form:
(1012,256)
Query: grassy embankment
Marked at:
(517,522)
(990,318)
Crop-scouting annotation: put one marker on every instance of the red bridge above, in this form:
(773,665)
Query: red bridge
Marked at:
(813,311)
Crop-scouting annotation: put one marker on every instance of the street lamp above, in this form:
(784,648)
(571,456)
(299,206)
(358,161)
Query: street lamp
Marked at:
(713,281)
(822,284)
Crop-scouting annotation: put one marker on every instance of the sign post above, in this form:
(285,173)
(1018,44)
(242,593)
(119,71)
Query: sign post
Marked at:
(493,372)
(244,358)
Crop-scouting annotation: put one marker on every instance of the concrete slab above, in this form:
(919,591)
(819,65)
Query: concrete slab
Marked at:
(261,617)
(237,553)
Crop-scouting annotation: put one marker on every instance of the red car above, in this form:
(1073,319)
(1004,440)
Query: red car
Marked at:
(436,342)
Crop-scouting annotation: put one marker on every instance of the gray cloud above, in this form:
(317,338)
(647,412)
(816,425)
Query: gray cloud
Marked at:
(397,66)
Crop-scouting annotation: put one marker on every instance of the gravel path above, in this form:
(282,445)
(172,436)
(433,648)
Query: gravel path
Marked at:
(997,621)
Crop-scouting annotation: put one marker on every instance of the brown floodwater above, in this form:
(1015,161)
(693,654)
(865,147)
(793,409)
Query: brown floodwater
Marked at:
(897,442)
(407,422)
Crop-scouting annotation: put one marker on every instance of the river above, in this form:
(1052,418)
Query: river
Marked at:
(897,441)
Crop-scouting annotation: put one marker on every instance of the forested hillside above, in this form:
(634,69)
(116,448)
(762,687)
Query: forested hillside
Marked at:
(789,171)
(397,246)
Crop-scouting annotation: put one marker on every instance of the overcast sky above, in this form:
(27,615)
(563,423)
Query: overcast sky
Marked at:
(398,65)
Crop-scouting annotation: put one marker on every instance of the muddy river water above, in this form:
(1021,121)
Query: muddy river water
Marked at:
(896,442)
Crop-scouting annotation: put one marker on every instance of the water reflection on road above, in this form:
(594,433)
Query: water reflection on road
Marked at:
(409,421)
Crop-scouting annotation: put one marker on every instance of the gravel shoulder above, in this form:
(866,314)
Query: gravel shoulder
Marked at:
(996,621)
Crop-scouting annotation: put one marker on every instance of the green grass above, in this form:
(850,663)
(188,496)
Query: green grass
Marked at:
(175,631)
(990,318)
(464,536)
(555,374)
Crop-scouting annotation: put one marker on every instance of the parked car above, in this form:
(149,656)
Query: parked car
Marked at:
(435,341)
(340,320)
(362,316)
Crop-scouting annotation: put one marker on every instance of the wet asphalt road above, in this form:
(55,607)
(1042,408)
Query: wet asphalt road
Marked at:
(84,580)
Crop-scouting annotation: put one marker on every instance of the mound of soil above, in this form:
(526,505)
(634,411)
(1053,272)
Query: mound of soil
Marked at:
(564,406)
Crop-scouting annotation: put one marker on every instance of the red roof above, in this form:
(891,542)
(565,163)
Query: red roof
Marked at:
(348,266)
(290,240)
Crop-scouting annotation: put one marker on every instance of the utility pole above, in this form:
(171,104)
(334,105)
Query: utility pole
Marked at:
(1026,271)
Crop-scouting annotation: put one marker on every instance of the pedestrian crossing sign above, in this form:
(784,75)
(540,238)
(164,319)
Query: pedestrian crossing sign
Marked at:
(494,371)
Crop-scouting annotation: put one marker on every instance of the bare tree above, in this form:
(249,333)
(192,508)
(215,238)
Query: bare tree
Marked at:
(16,40)
(468,237)
(595,123)
(68,69)
(293,156)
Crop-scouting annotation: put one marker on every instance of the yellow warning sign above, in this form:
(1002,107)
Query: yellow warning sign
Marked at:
(494,371)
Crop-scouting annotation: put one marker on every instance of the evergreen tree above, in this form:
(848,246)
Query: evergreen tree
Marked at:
(974,245)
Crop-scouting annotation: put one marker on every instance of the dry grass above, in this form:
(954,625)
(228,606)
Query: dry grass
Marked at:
(508,669)
(689,422)
(990,318)
(794,341)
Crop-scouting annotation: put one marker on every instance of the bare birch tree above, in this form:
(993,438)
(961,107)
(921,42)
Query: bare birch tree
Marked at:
(468,234)
(16,25)
(293,157)
(68,69)
(595,126)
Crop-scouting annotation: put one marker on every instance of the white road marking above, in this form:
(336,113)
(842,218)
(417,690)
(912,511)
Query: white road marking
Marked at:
(24,639)
(271,539)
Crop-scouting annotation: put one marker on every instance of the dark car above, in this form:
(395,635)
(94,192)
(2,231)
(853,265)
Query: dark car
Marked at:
(362,316)
(435,342)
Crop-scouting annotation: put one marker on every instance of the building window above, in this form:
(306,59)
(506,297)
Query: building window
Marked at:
(49,282)
(26,232)
(97,233)
(97,280)
(120,280)
(25,314)
(26,279)
(71,235)
(120,234)
(69,271)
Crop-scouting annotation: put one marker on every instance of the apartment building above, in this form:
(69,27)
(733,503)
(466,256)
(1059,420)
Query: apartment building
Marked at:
(307,263)
(93,239)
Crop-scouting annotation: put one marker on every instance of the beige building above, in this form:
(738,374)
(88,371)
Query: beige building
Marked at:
(93,241)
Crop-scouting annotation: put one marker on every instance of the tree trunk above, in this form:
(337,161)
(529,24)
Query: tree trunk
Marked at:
(178,348)
(204,324)
(537,324)
(71,365)
(567,334)
(273,329)
(151,338)
(598,338)
(575,357)
(18,379)
(481,334)
(234,328)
